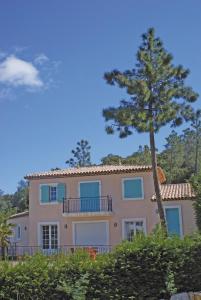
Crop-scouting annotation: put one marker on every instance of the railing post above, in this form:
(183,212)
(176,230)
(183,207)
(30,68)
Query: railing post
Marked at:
(109,203)
(68,205)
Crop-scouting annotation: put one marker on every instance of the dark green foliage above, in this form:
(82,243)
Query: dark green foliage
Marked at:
(55,169)
(178,159)
(154,88)
(196,125)
(196,183)
(151,268)
(140,157)
(21,197)
(5,202)
(82,156)
(18,201)
(181,156)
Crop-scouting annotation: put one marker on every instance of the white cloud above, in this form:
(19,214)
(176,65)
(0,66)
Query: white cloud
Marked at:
(17,72)
(41,59)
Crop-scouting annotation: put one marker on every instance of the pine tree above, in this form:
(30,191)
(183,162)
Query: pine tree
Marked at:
(155,88)
(82,156)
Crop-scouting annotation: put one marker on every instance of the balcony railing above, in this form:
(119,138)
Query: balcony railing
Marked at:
(87,204)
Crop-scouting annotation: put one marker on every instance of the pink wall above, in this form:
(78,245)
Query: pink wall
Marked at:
(122,209)
(23,221)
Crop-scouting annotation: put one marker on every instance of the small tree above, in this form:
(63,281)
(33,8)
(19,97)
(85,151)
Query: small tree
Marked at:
(82,156)
(5,232)
(156,88)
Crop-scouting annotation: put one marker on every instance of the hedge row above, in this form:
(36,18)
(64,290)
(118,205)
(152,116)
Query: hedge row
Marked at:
(151,267)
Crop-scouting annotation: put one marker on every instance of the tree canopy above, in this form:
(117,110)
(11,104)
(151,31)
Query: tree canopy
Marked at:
(18,200)
(81,155)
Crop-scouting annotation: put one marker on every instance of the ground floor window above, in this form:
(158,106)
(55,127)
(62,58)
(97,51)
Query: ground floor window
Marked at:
(49,236)
(132,227)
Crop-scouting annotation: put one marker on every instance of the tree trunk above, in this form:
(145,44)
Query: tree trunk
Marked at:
(3,251)
(196,152)
(156,181)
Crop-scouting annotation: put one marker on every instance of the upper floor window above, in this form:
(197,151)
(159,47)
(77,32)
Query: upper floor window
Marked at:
(133,188)
(52,193)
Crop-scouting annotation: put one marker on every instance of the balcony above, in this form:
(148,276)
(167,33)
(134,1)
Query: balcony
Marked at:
(87,206)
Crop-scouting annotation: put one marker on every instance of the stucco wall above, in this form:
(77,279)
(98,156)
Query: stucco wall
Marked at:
(23,221)
(122,209)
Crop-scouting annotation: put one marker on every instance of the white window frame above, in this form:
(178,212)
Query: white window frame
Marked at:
(98,221)
(180,216)
(53,186)
(18,227)
(133,220)
(40,241)
(40,195)
(123,190)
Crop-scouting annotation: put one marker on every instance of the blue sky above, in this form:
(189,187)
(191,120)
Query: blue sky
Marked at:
(53,55)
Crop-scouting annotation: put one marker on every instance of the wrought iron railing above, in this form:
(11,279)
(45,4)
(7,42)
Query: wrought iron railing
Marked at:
(87,204)
(15,252)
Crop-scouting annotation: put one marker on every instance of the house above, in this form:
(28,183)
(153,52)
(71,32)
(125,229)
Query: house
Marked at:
(98,206)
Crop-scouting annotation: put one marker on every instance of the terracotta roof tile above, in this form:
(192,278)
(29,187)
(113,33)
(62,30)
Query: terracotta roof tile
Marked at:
(179,191)
(94,170)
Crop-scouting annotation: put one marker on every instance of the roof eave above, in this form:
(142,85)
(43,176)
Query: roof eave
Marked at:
(49,176)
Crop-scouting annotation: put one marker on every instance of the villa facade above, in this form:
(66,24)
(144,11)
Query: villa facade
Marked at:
(98,206)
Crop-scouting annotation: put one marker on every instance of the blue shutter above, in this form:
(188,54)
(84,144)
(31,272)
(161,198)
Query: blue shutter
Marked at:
(45,193)
(61,192)
(173,222)
(133,188)
(90,196)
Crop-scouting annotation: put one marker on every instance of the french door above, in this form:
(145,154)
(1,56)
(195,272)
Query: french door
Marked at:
(49,237)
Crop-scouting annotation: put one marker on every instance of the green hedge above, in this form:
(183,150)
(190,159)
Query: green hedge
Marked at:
(150,267)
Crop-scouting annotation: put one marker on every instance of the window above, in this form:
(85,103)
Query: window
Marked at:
(133,188)
(173,220)
(132,227)
(49,237)
(52,193)
(18,232)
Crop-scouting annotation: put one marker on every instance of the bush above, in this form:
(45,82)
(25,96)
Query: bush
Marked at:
(150,267)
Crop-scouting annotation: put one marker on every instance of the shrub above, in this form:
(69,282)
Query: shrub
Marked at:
(150,267)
